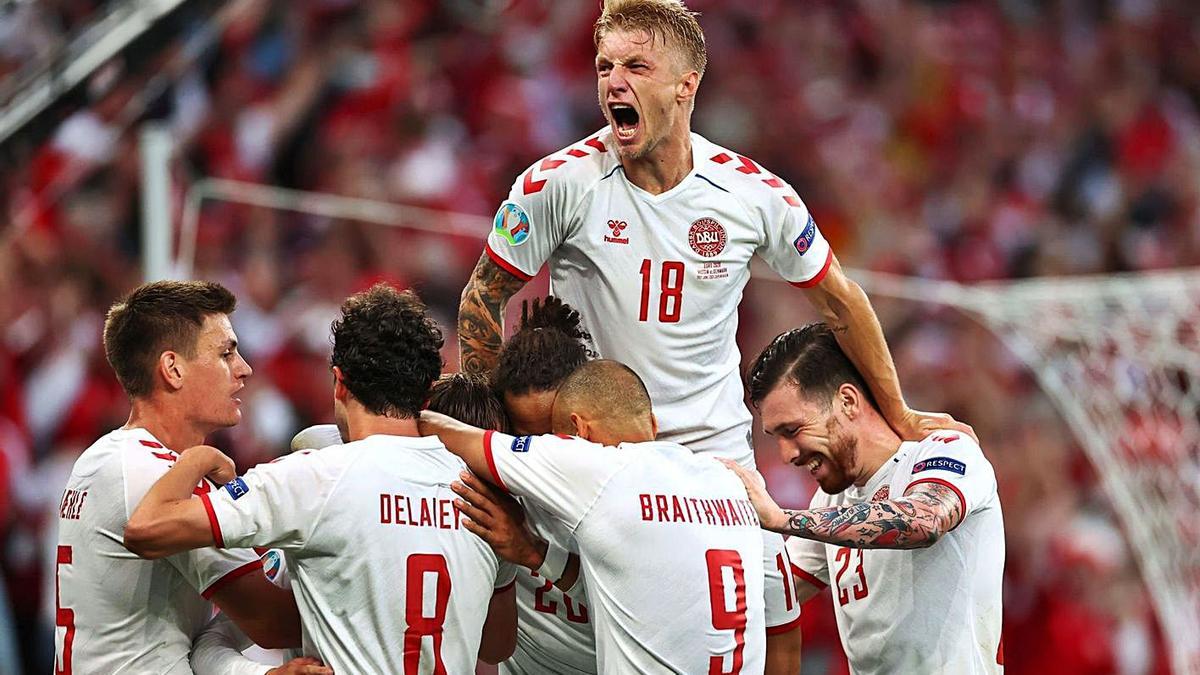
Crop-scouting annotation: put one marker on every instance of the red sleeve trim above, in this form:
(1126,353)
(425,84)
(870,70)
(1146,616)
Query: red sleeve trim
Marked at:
(504,264)
(491,461)
(819,275)
(948,484)
(212,521)
(786,627)
(230,576)
(505,587)
(808,577)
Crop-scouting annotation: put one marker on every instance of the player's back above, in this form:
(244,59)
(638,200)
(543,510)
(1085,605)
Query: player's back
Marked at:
(115,612)
(672,551)
(386,577)
(670,546)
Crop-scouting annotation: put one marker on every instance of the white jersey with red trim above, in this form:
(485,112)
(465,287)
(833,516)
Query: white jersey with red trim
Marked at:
(929,610)
(117,613)
(386,577)
(554,628)
(637,512)
(658,278)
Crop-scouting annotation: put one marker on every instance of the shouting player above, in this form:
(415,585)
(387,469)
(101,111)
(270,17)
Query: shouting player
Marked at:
(908,535)
(638,509)
(374,545)
(174,352)
(649,230)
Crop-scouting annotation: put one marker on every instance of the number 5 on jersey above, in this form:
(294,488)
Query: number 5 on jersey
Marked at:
(670,293)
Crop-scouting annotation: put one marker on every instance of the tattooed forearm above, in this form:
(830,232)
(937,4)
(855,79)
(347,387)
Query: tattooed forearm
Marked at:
(916,520)
(481,313)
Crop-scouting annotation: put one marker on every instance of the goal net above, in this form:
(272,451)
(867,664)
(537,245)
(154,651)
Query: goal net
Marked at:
(1118,356)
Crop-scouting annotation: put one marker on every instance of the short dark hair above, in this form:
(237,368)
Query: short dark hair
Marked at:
(470,399)
(388,350)
(549,345)
(156,317)
(606,388)
(808,357)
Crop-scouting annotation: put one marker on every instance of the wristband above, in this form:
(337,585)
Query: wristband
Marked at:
(555,562)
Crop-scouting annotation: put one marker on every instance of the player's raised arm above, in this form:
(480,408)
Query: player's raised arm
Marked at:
(916,520)
(846,308)
(481,314)
(168,520)
(462,439)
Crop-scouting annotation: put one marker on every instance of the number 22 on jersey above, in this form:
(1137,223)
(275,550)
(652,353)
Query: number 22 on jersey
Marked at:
(670,290)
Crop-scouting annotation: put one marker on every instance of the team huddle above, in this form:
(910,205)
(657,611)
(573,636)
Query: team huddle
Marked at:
(581,497)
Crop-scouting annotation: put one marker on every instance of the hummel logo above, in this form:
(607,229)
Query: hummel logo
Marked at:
(617,227)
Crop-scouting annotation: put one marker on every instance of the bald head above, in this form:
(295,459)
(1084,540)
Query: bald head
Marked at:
(606,402)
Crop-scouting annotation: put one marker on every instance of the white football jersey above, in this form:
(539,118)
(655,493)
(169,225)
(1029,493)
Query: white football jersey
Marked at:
(658,278)
(554,628)
(118,613)
(928,610)
(638,511)
(386,577)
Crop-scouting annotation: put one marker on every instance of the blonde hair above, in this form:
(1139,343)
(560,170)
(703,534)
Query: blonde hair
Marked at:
(669,20)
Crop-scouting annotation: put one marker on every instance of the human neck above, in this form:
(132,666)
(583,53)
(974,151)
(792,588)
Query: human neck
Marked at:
(361,423)
(169,426)
(663,167)
(876,445)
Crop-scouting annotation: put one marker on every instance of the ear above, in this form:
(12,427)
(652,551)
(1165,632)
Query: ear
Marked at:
(582,428)
(685,91)
(849,399)
(340,392)
(171,368)
(654,425)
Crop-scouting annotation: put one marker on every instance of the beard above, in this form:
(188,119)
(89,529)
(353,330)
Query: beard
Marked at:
(843,457)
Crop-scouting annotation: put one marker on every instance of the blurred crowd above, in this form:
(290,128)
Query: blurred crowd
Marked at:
(965,141)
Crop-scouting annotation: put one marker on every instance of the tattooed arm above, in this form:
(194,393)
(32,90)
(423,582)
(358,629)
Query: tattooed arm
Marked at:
(916,520)
(481,315)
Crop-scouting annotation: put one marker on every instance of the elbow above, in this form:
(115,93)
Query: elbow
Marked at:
(141,539)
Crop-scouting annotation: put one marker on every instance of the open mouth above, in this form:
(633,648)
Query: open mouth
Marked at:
(814,463)
(625,120)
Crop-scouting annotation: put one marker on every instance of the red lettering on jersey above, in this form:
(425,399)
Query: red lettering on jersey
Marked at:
(708,510)
(676,510)
(661,502)
(385,509)
(722,514)
(647,508)
(426,517)
(443,514)
(721,158)
(734,516)
(398,507)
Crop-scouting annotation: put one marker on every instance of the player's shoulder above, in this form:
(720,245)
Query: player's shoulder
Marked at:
(740,175)
(573,170)
(948,451)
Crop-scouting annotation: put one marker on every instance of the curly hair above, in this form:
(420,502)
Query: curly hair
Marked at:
(468,398)
(388,350)
(156,317)
(808,357)
(549,345)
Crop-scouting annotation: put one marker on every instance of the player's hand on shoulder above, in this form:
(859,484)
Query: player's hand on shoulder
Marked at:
(770,516)
(218,467)
(302,666)
(916,425)
(497,519)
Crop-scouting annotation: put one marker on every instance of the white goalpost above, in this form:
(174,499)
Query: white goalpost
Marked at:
(1119,356)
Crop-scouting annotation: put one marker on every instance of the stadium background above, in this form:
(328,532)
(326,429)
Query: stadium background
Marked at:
(965,141)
